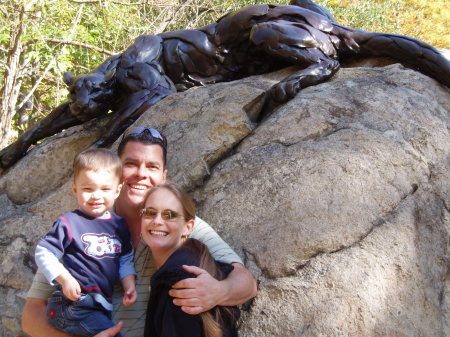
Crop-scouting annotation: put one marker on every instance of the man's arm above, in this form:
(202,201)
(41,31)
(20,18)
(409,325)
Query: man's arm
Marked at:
(218,248)
(34,314)
(196,295)
(34,319)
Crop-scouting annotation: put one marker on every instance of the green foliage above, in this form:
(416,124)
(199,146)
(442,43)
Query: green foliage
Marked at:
(423,19)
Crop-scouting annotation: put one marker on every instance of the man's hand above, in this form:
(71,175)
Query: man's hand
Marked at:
(197,295)
(111,332)
(70,286)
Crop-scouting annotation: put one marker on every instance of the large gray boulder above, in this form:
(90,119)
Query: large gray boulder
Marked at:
(338,201)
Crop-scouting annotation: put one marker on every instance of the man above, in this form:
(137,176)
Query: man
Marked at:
(143,155)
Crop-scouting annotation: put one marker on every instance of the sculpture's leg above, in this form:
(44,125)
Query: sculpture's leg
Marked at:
(59,119)
(312,75)
(307,48)
(286,89)
(133,107)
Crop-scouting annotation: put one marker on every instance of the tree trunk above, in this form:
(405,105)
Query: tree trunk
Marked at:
(9,93)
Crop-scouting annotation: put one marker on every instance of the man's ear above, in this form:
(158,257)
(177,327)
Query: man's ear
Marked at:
(188,228)
(74,188)
(164,176)
(119,188)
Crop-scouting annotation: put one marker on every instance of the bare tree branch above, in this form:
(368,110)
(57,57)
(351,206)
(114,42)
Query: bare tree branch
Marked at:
(85,1)
(120,3)
(72,43)
(128,3)
(174,14)
(52,61)
(9,93)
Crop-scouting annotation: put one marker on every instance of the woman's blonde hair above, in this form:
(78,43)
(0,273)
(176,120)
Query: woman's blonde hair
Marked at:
(216,318)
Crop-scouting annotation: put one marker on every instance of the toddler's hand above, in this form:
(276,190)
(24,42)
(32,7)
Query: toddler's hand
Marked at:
(129,297)
(70,286)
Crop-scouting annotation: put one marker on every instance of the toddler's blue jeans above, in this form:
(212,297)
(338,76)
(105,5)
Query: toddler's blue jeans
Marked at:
(84,318)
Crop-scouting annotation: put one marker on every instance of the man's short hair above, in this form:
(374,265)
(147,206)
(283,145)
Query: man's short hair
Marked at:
(96,159)
(144,135)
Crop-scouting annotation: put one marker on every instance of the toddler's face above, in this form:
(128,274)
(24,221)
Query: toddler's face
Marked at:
(96,191)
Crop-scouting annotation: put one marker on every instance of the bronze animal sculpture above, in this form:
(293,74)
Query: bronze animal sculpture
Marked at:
(254,40)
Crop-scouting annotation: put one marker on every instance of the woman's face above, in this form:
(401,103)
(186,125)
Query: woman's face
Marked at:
(163,226)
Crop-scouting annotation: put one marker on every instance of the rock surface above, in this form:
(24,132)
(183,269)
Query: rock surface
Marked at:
(338,201)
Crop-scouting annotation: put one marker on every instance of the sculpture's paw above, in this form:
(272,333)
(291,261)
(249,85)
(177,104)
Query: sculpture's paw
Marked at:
(10,155)
(285,90)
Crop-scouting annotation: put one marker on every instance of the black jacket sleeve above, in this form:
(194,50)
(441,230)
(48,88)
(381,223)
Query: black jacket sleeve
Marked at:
(165,319)
(170,321)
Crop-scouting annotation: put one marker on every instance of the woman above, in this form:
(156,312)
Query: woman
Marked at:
(167,221)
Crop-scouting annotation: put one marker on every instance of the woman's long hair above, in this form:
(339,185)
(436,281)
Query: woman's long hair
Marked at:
(215,319)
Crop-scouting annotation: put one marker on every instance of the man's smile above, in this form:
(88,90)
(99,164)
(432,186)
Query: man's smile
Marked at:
(139,187)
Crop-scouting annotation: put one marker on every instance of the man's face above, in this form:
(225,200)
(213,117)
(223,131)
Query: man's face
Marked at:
(143,168)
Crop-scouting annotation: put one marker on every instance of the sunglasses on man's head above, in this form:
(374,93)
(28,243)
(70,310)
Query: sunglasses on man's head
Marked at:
(166,214)
(137,130)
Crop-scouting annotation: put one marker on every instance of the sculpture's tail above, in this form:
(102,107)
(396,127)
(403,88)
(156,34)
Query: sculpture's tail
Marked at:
(411,52)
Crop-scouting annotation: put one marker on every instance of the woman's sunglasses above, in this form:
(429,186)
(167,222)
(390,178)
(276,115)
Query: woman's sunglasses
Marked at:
(166,214)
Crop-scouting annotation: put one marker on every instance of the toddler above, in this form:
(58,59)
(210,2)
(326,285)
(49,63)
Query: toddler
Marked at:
(94,247)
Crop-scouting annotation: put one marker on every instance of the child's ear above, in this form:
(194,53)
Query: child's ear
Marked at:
(188,228)
(74,188)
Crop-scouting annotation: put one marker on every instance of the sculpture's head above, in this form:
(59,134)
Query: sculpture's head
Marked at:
(90,95)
